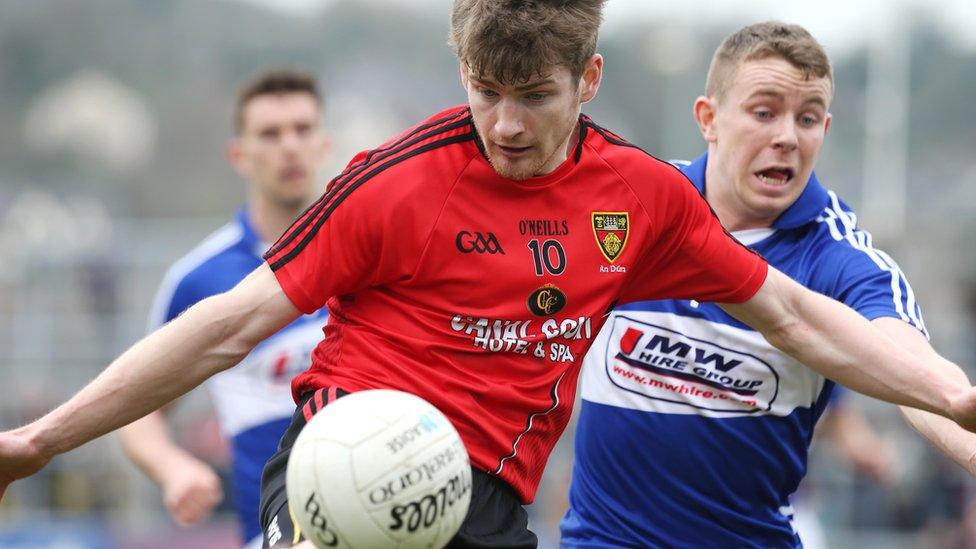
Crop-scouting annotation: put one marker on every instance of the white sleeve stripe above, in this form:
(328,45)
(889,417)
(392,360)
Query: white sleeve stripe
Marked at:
(913,309)
(830,224)
(904,302)
(851,228)
(220,240)
(857,242)
(856,239)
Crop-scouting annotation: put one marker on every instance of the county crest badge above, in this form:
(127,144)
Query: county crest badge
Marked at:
(611,229)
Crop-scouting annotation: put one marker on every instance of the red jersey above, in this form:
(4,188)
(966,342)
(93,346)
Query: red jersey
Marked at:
(481,294)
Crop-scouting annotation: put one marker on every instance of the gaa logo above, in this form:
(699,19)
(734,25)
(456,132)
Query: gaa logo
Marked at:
(320,525)
(547,300)
(468,242)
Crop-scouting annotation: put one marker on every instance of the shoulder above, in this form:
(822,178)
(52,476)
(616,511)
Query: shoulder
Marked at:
(624,155)
(837,234)
(199,273)
(426,156)
(640,170)
(396,187)
(849,267)
(840,249)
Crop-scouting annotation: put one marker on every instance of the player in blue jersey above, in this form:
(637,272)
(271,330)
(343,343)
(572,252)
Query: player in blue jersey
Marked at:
(516,153)
(278,147)
(694,430)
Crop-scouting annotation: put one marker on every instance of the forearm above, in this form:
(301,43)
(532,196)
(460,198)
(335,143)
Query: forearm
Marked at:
(843,346)
(952,440)
(156,370)
(838,343)
(948,437)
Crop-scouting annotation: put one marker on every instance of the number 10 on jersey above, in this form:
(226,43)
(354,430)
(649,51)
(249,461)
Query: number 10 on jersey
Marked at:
(548,257)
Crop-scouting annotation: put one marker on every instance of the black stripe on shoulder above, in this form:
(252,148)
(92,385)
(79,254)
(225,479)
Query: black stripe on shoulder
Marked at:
(612,137)
(617,140)
(321,218)
(353,171)
(579,139)
(415,131)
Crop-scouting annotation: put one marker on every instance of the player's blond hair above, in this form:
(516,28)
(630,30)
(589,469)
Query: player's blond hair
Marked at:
(515,40)
(792,43)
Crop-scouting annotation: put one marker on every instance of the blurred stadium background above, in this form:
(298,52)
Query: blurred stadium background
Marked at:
(113,119)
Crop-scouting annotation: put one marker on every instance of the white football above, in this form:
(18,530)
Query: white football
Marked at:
(379,468)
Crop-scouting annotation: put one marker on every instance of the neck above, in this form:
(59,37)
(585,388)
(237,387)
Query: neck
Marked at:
(269,220)
(573,139)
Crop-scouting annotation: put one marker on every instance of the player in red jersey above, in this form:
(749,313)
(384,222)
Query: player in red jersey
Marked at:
(471,261)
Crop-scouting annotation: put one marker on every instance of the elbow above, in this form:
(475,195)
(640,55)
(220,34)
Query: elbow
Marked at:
(785,336)
(233,347)
(229,337)
(790,330)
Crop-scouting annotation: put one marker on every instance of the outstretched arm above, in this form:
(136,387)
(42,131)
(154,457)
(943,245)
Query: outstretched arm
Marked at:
(840,344)
(211,336)
(953,441)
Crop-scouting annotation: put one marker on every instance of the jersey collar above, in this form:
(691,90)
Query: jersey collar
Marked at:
(249,237)
(806,209)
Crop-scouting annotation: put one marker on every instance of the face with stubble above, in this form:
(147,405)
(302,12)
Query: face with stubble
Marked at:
(526,127)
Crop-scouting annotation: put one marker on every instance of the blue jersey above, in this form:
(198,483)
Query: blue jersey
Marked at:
(694,430)
(253,399)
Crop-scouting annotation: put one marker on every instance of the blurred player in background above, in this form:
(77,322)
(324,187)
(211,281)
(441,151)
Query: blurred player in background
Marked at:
(694,429)
(278,147)
(856,444)
(471,261)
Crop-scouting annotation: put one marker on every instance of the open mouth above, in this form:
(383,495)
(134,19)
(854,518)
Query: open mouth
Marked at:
(776,176)
(513,151)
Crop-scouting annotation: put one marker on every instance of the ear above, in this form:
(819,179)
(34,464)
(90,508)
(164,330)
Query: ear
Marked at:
(590,80)
(705,109)
(464,75)
(325,146)
(827,123)
(235,155)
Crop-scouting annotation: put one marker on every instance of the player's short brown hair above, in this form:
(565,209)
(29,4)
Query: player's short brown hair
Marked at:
(515,40)
(792,43)
(273,82)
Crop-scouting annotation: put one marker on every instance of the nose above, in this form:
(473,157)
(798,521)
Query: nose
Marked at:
(290,141)
(508,125)
(786,138)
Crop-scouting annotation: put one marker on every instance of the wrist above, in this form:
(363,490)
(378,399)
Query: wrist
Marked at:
(35,438)
(971,463)
(954,396)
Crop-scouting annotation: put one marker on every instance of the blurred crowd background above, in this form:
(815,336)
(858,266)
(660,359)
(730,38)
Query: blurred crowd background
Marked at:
(114,115)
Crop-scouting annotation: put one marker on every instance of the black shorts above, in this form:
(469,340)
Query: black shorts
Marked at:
(495,517)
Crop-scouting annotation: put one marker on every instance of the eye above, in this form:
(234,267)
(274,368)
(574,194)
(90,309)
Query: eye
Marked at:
(268,134)
(487,93)
(763,114)
(536,96)
(807,120)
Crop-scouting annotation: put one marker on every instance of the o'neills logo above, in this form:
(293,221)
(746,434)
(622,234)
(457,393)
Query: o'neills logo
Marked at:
(610,229)
(547,300)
